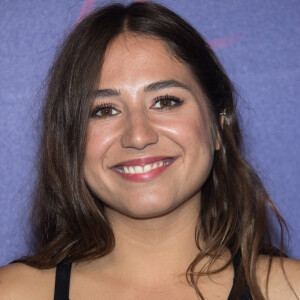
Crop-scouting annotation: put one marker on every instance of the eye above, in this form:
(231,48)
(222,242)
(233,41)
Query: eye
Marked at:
(166,102)
(104,111)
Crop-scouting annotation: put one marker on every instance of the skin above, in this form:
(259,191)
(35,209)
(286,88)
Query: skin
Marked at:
(153,221)
(141,129)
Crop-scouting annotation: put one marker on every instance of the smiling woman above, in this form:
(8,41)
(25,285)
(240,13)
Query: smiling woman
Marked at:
(156,131)
(143,190)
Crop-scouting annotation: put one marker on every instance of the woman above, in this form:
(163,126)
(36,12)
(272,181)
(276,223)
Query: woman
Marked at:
(143,192)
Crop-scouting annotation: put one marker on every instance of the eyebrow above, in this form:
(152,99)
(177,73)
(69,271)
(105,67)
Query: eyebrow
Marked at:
(105,93)
(155,86)
(165,84)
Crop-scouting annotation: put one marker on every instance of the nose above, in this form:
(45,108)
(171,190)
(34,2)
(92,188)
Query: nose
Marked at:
(138,132)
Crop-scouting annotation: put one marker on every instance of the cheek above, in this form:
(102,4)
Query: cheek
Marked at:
(98,141)
(192,131)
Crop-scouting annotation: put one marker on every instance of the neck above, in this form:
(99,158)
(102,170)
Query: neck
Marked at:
(163,245)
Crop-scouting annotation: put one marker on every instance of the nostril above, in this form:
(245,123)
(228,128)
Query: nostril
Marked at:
(139,133)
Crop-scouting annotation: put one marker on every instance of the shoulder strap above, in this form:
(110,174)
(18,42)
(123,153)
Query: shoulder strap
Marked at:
(246,295)
(236,262)
(62,281)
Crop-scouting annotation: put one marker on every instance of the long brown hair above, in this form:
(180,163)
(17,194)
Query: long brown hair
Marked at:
(68,221)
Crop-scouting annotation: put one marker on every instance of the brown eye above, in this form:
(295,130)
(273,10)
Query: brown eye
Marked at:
(166,102)
(104,111)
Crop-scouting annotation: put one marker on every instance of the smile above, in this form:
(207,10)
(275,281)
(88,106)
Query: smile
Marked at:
(140,170)
(143,169)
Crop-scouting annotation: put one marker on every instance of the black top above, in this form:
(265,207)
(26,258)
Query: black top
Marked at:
(62,281)
(246,295)
(63,274)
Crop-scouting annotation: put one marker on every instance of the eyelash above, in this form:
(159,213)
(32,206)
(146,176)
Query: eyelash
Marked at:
(94,113)
(103,106)
(177,101)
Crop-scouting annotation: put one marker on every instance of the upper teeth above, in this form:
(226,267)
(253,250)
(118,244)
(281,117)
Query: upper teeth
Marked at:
(142,169)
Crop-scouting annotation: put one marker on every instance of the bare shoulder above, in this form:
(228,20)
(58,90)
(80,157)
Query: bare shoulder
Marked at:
(284,277)
(19,281)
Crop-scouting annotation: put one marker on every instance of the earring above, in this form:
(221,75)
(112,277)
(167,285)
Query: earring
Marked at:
(223,112)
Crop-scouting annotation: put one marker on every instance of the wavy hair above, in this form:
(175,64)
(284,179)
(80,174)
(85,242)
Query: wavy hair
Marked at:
(69,222)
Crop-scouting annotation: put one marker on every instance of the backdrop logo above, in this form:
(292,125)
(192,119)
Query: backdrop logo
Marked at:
(87,7)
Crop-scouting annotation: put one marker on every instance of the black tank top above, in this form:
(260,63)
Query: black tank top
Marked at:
(63,274)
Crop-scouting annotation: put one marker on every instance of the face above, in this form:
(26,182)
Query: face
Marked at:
(149,145)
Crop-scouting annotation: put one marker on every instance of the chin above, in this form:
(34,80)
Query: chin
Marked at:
(138,208)
(152,207)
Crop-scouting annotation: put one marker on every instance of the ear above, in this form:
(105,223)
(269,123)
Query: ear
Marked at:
(222,118)
(218,138)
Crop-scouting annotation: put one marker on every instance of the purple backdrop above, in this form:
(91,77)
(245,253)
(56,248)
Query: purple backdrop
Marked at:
(258,43)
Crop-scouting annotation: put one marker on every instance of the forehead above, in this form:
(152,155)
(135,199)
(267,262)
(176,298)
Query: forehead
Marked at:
(136,58)
(142,46)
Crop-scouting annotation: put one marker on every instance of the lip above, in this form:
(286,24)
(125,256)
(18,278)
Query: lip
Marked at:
(143,177)
(142,161)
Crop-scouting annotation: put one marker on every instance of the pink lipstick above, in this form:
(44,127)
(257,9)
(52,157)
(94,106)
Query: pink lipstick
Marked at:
(143,169)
